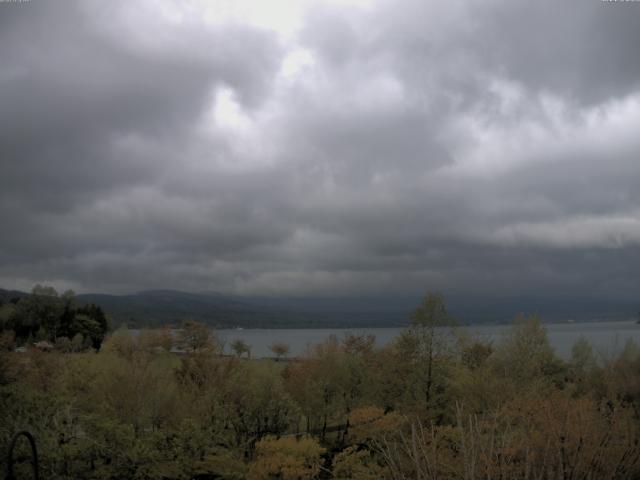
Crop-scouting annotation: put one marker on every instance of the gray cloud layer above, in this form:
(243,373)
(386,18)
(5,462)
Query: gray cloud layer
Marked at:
(470,147)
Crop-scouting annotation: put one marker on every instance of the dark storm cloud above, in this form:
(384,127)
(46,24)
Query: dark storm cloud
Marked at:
(74,97)
(471,147)
(584,51)
(86,114)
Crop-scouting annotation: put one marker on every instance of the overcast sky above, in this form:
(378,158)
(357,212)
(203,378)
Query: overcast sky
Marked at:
(321,148)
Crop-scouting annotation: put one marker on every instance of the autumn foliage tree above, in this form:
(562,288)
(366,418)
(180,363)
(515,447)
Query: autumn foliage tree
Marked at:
(287,458)
(279,349)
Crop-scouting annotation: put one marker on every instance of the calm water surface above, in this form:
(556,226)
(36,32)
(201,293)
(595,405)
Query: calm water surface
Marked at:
(607,338)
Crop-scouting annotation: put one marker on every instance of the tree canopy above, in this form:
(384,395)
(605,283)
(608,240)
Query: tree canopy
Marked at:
(44,315)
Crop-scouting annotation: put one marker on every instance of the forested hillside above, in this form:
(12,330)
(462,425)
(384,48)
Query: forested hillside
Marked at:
(170,307)
(11,296)
(164,307)
(156,308)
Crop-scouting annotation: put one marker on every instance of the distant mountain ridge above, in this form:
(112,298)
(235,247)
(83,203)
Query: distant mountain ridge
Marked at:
(7,296)
(156,307)
(172,307)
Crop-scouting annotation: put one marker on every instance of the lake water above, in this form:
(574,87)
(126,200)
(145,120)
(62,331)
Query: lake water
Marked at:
(607,338)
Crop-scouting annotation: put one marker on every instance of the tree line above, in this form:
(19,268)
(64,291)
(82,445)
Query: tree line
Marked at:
(46,316)
(437,403)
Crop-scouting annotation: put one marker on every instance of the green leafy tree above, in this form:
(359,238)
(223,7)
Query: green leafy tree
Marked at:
(424,345)
(240,347)
(525,356)
(97,328)
(44,315)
